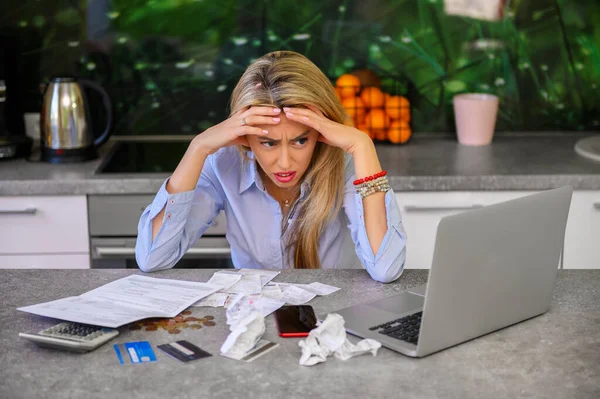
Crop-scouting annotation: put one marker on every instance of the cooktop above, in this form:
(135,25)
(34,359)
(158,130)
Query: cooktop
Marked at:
(144,157)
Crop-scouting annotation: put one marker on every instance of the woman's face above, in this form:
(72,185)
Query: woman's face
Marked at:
(284,153)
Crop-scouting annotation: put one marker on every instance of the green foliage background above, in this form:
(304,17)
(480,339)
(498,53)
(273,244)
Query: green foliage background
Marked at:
(170,65)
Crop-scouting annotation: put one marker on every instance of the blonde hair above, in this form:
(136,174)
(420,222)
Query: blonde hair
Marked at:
(288,79)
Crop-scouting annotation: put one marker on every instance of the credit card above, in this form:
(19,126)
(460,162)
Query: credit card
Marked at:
(135,352)
(184,351)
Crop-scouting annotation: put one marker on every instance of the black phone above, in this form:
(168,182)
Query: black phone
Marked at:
(295,321)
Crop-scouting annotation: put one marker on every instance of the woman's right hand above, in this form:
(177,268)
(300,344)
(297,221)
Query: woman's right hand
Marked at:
(233,130)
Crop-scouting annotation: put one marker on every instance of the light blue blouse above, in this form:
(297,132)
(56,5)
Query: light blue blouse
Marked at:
(254,223)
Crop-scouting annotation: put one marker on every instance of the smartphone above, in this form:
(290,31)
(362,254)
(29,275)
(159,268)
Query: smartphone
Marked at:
(295,321)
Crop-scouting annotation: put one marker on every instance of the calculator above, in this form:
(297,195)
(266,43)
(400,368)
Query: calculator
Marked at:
(74,337)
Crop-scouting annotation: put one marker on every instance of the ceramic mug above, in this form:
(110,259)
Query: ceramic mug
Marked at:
(475,115)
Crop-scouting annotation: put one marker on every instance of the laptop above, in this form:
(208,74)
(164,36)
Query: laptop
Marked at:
(492,267)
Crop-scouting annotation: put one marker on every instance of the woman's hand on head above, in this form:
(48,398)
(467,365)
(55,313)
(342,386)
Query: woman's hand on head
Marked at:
(233,130)
(332,133)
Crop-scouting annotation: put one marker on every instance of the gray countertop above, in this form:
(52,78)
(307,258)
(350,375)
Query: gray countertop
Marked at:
(555,355)
(428,163)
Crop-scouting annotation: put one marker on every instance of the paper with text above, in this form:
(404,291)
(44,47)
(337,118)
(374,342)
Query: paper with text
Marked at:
(126,300)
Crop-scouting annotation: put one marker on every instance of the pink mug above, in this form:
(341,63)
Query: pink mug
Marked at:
(475,115)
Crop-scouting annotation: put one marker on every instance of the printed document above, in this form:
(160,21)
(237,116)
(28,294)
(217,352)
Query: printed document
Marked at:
(126,300)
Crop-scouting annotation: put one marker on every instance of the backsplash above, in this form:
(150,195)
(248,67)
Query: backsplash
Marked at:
(170,65)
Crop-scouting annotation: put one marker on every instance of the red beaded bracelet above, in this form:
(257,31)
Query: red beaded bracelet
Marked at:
(369,178)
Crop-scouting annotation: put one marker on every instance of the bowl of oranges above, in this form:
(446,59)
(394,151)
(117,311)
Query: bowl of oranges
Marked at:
(376,109)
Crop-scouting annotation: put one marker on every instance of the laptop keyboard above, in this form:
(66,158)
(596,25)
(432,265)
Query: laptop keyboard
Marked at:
(405,328)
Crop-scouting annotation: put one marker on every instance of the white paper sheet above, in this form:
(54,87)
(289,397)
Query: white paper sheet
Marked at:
(265,275)
(214,300)
(126,300)
(224,279)
(272,291)
(249,284)
(266,305)
(296,296)
(320,289)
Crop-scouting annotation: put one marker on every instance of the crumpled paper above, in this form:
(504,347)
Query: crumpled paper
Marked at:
(247,326)
(330,338)
(244,335)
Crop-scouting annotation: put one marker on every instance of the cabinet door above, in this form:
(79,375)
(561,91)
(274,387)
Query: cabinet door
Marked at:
(422,212)
(582,238)
(44,261)
(44,225)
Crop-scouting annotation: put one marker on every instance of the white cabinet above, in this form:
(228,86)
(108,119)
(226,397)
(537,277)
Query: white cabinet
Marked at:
(422,212)
(582,238)
(33,228)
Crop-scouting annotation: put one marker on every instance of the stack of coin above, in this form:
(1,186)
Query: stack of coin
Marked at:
(176,324)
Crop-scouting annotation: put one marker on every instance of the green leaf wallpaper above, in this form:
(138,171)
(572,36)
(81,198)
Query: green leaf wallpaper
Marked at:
(170,65)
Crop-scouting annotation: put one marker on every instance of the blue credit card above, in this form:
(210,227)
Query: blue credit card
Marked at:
(135,352)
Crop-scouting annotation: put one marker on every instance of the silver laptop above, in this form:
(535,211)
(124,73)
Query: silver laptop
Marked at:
(492,267)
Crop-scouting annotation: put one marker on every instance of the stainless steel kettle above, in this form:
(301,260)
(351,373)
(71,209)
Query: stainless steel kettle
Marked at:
(65,121)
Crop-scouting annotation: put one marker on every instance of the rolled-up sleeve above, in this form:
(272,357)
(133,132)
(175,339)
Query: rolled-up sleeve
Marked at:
(388,263)
(187,216)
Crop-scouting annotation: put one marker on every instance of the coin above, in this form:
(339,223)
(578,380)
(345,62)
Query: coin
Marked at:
(209,323)
(181,325)
(174,331)
(195,326)
(171,322)
(178,318)
(190,319)
(209,317)
(186,312)
(151,328)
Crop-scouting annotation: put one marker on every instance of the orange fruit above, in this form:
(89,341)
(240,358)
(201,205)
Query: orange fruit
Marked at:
(398,107)
(399,132)
(354,108)
(378,122)
(349,85)
(372,97)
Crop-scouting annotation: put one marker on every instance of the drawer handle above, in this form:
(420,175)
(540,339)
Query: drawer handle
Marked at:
(418,208)
(120,251)
(597,206)
(26,211)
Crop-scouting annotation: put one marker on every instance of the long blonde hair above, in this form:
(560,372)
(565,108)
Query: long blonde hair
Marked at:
(288,79)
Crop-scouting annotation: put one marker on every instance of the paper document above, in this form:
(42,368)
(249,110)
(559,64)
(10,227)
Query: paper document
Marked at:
(296,296)
(249,284)
(225,279)
(126,300)
(214,300)
(265,275)
(320,289)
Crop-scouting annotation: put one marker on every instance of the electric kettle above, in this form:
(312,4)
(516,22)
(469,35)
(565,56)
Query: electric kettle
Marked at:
(65,121)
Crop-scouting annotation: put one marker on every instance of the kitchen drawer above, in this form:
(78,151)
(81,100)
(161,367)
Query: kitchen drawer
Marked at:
(119,215)
(45,261)
(43,225)
(422,212)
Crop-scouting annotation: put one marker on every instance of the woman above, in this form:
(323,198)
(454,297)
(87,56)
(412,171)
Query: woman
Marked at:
(284,187)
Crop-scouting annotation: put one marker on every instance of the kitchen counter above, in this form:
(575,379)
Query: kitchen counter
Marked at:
(555,355)
(427,163)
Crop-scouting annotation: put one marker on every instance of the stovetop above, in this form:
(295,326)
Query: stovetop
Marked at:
(144,157)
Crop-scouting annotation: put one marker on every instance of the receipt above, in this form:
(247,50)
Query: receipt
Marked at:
(272,291)
(215,300)
(296,296)
(265,275)
(224,279)
(249,284)
(320,289)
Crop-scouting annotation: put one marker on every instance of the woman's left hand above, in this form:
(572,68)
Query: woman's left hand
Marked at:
(335,134)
